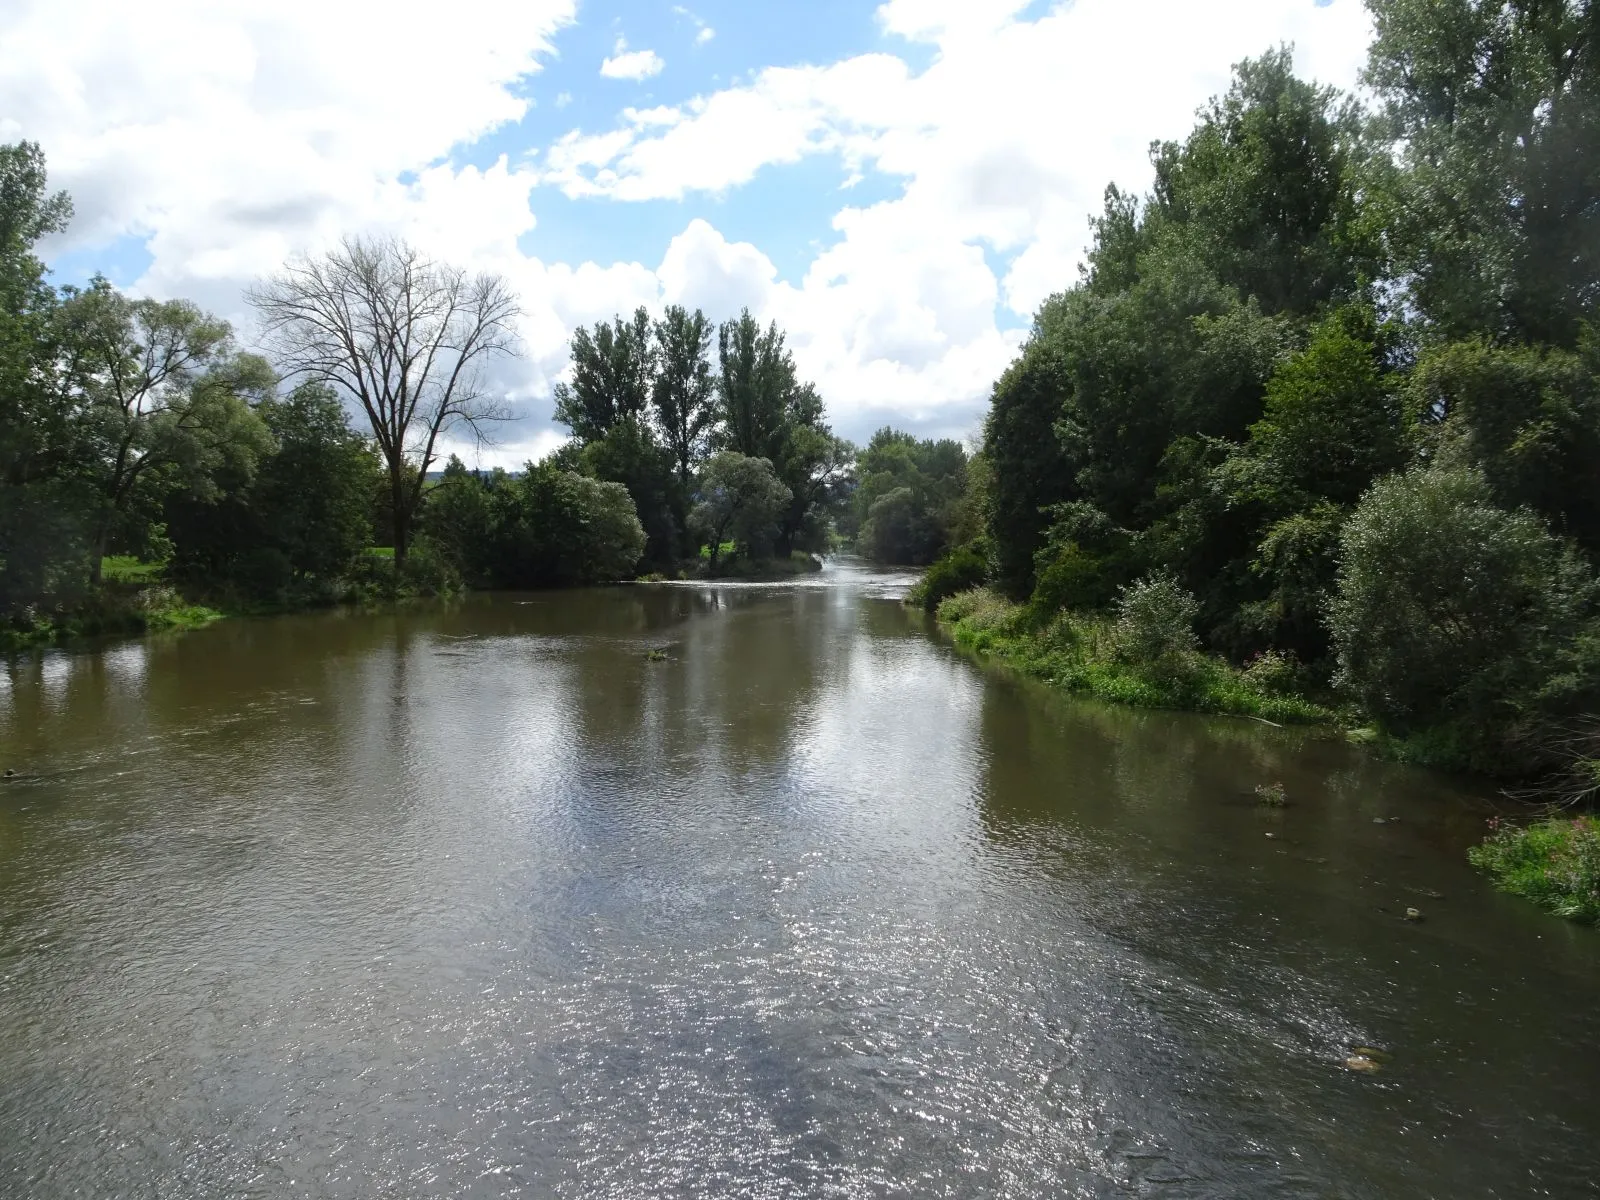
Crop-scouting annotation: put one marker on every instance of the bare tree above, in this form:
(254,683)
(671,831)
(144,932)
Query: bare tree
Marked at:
(402,335)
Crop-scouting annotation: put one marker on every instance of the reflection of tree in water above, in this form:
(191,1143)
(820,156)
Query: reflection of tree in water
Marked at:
(740,664)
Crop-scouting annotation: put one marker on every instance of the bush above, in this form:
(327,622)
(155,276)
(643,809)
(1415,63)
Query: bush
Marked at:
(979,609)
(1555,863)
(958,571)
(1274,673)
(1450,609)
(1155,622)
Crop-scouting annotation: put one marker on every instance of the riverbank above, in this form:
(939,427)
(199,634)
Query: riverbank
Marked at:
(115,612)
(1554,861)
(1081,653)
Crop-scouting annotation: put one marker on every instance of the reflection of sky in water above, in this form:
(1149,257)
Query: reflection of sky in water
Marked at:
(126,663)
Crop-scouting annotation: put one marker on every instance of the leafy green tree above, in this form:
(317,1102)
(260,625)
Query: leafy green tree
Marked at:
(165,400)
(1332,423)
(1450,608)
(1266,189)
(1527,416)
(908,496)
(613,377)
(312,494)
(1030,471)
(1495,105)
(742,500)
(292,527)
(684,391)
(587,529)
(44,503)
(766,412)
(629,454)
(466,518)
(755,389)
(548,527)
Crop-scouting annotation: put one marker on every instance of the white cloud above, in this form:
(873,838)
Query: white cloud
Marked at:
(636,65)
(703,32)
(1003,147)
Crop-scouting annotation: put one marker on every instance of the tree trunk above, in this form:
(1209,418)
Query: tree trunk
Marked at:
(97,551)
(400,521)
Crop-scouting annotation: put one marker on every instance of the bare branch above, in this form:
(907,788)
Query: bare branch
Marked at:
(399,335)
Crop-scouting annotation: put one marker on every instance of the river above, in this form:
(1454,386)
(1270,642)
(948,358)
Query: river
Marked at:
(486,900)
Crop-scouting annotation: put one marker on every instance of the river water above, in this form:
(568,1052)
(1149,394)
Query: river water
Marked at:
(486,901)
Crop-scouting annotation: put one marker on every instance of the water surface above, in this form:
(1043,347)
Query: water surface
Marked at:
(481,901)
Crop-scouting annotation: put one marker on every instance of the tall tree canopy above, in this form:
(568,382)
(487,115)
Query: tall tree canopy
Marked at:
(405,338)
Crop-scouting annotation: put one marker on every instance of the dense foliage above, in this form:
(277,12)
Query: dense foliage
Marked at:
(1325,403)
(649,409)
(910,499)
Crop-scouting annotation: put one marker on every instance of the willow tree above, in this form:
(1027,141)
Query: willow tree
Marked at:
(404,337)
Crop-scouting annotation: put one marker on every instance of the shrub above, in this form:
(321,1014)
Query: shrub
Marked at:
(1273,672)
(1155,622)
(978,609)
(1451,609)
(1555,863)
(958,571)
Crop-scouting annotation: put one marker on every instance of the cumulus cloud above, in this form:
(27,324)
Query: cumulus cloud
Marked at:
(1003,147)
(636,65)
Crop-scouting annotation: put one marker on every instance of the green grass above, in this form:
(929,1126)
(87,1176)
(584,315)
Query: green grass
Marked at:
(125,568)
(381,551)
(1554,862)
(1077,653)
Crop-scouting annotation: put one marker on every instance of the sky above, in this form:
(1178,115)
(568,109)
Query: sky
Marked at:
(899,184)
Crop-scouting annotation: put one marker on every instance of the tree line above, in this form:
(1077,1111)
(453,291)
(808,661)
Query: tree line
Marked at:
(1334,381)
(141,428)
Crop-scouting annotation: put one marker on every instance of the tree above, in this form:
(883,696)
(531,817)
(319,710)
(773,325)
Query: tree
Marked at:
(1495,107)
(908,495)
(401,335)
(613,374)
(1265,188)
(1450,608)
(755,388)
(164,399)
(1331,423)
(1527,416)
(295,526)
(741,500)
(684,393)
(313,494)
(766,412)
(629,454)
(548,527)
(43,502)
(1030,470)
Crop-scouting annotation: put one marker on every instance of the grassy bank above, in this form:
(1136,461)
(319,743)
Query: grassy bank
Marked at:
(119,610)
(1554,862)
(1102,657)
